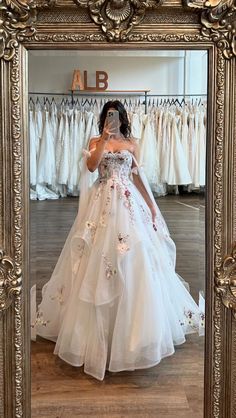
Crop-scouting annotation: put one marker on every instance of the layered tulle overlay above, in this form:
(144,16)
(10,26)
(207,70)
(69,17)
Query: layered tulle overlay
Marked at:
(114,300)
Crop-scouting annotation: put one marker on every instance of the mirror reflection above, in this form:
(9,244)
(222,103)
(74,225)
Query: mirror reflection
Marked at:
(117,204)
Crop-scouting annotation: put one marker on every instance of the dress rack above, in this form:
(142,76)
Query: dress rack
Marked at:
(108,93)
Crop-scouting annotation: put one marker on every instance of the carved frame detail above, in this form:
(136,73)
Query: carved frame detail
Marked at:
(113,22)
(10,281)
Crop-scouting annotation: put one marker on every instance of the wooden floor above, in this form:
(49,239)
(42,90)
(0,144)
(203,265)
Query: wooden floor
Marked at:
(174,388)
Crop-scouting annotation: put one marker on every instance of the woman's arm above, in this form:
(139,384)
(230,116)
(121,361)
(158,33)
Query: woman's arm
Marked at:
(96,148)
(140,186)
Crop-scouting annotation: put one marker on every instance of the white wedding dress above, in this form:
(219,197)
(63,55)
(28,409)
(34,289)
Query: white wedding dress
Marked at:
(114,300)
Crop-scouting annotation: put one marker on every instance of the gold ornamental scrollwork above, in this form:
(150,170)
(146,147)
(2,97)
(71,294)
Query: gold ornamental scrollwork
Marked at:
(17,18)
(10,281)
(218,20)
(226,281)
(117,17)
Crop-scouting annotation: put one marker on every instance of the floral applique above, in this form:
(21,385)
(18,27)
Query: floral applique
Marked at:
(146,214)
(122,245)
(191,319)
(102,222)
(39,320)
(59,295)
(129,203)
(109,270)
(98,193)
(127,193)
(202,319)
(91,227)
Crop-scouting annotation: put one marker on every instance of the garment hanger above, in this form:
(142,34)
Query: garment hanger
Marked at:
(31,104)
(176,101)
(48,102)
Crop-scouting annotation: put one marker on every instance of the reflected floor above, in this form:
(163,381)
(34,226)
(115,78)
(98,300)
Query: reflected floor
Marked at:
(174,388)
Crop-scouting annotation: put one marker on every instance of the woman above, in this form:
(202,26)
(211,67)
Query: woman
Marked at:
(114,300)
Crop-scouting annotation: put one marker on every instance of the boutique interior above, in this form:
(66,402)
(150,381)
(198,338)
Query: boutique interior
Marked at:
(165,95)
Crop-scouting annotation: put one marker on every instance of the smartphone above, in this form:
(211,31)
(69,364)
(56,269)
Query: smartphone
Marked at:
(113,120)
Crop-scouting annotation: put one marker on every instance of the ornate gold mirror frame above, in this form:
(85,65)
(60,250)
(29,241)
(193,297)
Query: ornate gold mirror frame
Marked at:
(150,24)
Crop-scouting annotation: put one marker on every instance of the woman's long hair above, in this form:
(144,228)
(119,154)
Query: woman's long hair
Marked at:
(125,128)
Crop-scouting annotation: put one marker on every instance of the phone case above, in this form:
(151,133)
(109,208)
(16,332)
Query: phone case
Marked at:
(113,120)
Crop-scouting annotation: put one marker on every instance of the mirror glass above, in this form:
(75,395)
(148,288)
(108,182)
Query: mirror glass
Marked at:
(117,289)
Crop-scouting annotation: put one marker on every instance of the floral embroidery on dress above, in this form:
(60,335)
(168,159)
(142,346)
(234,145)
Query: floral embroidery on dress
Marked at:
(98,193)
(191,319)
(78,253)
(59,295)
(116,168)
(102,222)
(146,214)
(109,270)
(202,319)
(122,245)
(91,227)
(39,320)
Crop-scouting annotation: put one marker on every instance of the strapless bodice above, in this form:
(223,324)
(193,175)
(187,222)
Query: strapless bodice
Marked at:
(115,164)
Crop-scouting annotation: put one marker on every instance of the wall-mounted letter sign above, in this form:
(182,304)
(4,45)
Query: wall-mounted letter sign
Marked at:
(80,83)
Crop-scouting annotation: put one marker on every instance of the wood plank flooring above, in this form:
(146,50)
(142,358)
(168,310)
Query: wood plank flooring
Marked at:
(174,388)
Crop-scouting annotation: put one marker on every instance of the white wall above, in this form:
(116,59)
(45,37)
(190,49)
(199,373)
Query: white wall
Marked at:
(162,72)
(196,74)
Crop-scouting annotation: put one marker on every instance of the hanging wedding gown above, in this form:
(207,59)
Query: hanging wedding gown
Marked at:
(178,168)
(114,300)
(75,152)
(148,152)
(65,157)
(33,148)
(191,143)
(165,145)
(46,163)
(59,132)
(200,151)
(184,134)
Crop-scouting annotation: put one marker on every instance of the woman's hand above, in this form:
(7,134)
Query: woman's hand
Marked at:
(107,132)
(153,213)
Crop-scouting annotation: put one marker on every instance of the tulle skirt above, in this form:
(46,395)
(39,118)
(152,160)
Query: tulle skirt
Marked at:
(114,300)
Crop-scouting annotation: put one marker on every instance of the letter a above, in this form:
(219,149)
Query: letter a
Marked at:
(77,83)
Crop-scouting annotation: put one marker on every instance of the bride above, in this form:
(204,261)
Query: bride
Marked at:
(114,300)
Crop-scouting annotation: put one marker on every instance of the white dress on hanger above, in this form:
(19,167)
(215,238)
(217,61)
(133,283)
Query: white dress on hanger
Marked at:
(64,163)
(161,189)
(46,163)
(33,148)
(200,151)
(38,126)
(94,127)
(114,300)
(136,124)
(191,143)
(148,152)
(89,117)
(165,145)
(74,152)
(178,169)
(184,134)
(54,119)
